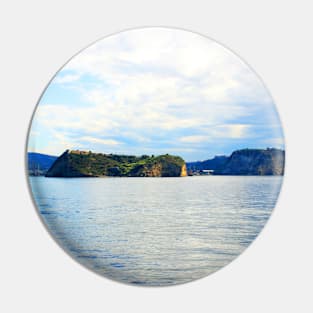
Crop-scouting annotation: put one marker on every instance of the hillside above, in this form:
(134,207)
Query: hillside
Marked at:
(38,163)
(244,162)
(254,162)
(87,164)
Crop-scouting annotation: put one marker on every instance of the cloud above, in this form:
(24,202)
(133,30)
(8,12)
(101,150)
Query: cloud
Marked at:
(193,139)
(69,119)
(154,89)
(232,131)
(109,142)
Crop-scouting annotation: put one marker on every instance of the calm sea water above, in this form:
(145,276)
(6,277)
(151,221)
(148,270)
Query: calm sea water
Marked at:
(155,231)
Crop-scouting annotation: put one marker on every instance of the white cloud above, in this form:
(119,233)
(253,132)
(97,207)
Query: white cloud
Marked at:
(61,117)
(109,142)
(232,131)
(194,139)
(149,83)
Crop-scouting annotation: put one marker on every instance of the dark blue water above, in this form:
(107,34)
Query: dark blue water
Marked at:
(155,231)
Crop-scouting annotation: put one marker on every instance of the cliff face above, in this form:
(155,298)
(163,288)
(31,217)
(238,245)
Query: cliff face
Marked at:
(244,162)
(88,164)
(254,162)
(183,171)
(66,166)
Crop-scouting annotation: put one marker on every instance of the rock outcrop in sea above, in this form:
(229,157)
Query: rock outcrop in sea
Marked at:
(75,163)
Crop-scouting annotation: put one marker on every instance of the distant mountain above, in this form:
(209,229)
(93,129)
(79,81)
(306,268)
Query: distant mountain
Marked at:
(268,161)
(38,163)
(213,164)
(77,163)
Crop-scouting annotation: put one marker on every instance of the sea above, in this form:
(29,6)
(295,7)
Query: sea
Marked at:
(155,231)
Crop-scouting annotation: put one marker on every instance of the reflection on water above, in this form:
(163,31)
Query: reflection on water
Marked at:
(155,231)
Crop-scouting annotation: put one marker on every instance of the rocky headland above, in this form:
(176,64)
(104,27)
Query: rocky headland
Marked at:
(75,163)
(268,161)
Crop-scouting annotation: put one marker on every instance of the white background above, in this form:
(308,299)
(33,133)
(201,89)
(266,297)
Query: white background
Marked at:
(275,37)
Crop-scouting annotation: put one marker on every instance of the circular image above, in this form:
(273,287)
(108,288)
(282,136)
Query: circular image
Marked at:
(155,156)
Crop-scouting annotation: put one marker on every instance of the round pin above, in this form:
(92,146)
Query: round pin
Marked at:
(155,156)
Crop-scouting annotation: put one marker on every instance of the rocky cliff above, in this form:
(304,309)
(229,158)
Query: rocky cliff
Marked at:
(244,162)
(254,162)
(88,164)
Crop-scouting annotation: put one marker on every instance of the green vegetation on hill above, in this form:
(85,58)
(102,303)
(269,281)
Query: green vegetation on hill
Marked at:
(88,164)
(168,165)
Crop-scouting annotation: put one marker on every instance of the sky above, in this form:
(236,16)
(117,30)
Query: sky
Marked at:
(155,91)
